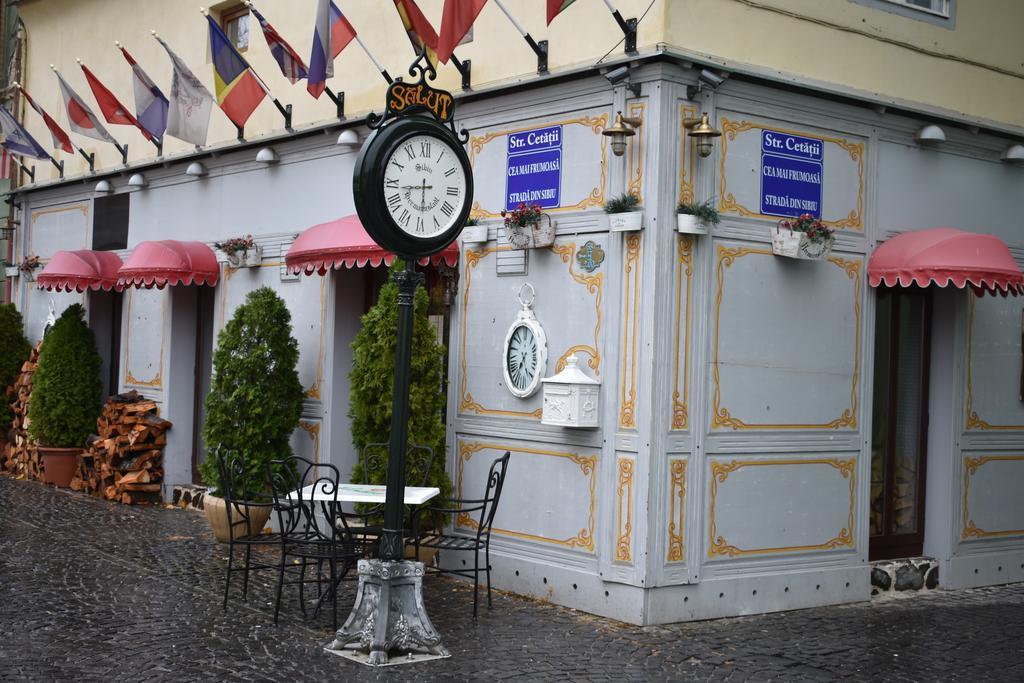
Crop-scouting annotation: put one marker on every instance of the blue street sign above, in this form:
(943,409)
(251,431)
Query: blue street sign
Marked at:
(534,169)
(791,174)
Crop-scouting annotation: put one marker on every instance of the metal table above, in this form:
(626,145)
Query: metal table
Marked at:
(362,493)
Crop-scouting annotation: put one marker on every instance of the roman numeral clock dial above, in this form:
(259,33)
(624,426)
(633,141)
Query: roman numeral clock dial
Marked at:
(425,186)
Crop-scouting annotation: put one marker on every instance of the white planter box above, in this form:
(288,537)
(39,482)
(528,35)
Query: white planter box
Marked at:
(11,271)
(473,234)
(536,236)
(249,258)
(796,245)
(690,224)
(625,222)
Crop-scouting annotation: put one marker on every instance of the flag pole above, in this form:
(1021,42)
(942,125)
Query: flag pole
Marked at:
(286,111)
(465,68)
(628,27)
(540,49)
(31,173)
(338,99)
(381,69)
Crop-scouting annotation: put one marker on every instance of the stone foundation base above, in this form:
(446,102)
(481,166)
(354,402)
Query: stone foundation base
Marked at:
(912,574)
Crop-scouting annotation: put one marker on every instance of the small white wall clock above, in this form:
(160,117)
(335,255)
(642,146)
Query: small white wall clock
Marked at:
(525,353)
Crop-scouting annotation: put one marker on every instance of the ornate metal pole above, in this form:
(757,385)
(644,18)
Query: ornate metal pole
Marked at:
(392,543)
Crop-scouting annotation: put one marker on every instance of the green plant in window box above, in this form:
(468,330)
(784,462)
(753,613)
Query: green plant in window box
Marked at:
(696,217)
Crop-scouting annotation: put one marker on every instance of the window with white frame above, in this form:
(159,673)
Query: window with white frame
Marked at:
(939,7)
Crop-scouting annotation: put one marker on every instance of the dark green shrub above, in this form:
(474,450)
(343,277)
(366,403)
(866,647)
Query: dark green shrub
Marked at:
(372,379)
(255,398)
(66,387)
(705,211)
(622,204)
(14,351)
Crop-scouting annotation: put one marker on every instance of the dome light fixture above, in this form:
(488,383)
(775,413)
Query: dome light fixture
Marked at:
(348,137)
(267,155)
(1014,154)
(930,135)
(138,180)
(103,187)
(196,169)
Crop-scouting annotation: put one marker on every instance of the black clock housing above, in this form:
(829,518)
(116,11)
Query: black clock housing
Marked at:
(368,186)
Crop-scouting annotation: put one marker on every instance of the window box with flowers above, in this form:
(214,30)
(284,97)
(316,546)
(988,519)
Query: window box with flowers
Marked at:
(624,213)
(29,266)
(241,252)
(803,237)
(525,227)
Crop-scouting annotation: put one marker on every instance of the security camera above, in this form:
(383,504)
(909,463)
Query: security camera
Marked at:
(710,78)
(617,75)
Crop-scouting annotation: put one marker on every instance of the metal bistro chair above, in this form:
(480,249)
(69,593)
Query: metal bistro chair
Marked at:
(306,503)
(364,525)
(242,506)
(486,507)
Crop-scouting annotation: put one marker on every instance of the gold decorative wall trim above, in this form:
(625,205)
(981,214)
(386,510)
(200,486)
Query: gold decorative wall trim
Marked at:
(974,421)
(844,538)
(624,511)
(971,465)
(594,198)
(157,382)
(314,391)
(721,417)
(680,386)
(594,284)
(676,511)
(636,153)
(630,331)
(727,202)
(588,467)
(687,157)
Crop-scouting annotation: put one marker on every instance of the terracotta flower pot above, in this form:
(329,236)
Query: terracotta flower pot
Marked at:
(59,465)
(217,513)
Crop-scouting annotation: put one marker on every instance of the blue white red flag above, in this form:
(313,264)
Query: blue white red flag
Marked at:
(292,66)
(150,104)
(17,140)
(332,32)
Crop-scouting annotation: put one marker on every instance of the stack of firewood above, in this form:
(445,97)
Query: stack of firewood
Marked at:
(20,457)
(124,463)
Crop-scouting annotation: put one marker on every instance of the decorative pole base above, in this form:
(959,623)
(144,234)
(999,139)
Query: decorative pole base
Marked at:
(388,619)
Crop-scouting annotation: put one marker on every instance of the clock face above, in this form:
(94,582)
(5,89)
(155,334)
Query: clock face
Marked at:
(521,358)
(424,186)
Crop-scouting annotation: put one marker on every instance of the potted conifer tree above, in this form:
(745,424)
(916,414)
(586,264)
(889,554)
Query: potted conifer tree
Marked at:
(66,395)
(14,351)
(255,401)
(372,379)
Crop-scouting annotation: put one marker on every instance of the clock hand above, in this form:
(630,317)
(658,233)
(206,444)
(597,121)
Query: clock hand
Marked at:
(423,196)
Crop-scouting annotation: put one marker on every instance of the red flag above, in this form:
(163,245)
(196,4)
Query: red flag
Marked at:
(556,6)
(113,111)
(456,21)
(60,138)
(5,163)
(421,33)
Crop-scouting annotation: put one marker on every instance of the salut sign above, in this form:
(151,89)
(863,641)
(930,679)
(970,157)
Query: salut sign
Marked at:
(791,174)
(534,168)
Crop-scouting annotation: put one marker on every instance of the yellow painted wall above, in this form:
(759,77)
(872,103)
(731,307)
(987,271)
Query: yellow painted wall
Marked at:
(816,39)
(851,45)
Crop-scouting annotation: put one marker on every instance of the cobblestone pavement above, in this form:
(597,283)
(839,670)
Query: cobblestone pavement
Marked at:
(94,591)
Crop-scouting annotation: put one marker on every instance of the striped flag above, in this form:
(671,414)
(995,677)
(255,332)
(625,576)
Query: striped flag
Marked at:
(61,140)
(457,19)
(417,27)
(239,91)
(113,111)
(80,117)
(17,140)
(150,104)
(190,103)
(332,33)
(555,7)
(292,66)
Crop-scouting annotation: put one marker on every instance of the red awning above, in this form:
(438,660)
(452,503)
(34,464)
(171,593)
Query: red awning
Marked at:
(169,262)
(945,255)
(344,242)
(80,270)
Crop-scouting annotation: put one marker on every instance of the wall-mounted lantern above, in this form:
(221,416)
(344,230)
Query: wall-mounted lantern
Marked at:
(571,398)
(703,133)
(624,127)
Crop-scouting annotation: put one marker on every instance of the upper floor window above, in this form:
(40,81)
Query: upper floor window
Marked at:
(939,7)
(235,23)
